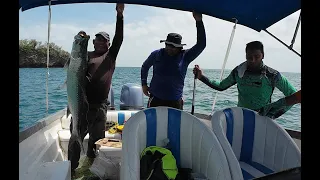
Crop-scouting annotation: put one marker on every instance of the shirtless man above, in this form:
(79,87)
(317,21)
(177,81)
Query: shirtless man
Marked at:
(101,66)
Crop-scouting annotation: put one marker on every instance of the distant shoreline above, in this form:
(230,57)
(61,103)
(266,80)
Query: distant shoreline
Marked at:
(33,54)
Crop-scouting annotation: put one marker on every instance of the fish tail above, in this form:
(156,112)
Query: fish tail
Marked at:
(68,111)
(66,65)
(75,139)
(64,85)
(81,144)
(79,140)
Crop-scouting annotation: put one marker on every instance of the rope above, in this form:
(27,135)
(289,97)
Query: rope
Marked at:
(224,62)
(48,47)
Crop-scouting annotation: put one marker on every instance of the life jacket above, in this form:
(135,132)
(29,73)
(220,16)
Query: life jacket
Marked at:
(157,163)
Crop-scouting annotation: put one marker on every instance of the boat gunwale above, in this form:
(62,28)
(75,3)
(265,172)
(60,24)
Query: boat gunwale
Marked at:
(46,121)
(29,131)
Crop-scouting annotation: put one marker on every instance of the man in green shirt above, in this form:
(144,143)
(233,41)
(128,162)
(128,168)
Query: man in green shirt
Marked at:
(255,81)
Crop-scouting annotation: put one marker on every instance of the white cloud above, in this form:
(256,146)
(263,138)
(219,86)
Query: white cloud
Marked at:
(142,36)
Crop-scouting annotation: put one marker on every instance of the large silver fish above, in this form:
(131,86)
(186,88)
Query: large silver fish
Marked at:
(76,85)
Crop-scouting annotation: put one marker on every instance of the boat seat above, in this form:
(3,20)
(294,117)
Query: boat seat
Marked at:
(192,143)
(259,143)
(112,115)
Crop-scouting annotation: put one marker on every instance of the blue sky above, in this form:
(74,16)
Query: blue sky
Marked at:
(145,26)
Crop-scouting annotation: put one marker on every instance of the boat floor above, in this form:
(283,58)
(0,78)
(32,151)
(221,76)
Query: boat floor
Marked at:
(83,172)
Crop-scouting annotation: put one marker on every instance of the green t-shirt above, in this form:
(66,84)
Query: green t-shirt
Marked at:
(254,88)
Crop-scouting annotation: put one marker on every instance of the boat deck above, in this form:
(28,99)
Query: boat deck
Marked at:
(83,172)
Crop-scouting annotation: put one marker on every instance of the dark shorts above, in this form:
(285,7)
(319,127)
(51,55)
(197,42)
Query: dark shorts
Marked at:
(95,126)
(154,102)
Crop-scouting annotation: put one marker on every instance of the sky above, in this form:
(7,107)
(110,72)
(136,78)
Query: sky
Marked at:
(145,26)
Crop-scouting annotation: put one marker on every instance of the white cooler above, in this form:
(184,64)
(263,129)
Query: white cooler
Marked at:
(107,163)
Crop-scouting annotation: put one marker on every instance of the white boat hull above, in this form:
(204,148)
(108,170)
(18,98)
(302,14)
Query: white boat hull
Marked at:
(42,153)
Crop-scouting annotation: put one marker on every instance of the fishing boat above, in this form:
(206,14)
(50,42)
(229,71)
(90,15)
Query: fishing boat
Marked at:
(43,147)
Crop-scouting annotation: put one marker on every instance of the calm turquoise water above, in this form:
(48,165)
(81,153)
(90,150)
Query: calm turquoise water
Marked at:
(32,93)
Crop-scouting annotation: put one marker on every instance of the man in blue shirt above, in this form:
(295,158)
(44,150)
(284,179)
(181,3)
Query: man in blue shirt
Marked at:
(170,65)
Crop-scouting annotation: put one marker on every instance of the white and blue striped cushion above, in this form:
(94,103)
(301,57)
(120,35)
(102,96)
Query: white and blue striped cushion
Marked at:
(260,145)
(119,116)
(192,143)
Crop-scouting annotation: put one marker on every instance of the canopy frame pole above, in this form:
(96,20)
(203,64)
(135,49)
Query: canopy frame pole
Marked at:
(225,61)
(295,32)
(282,43)
(48,57)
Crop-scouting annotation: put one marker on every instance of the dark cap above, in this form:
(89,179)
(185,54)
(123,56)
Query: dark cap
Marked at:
(174,39)
(104,35)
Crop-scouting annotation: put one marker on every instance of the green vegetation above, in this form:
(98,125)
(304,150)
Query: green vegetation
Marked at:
(33,54)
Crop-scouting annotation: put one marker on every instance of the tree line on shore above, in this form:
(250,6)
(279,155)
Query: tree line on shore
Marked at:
(33,54)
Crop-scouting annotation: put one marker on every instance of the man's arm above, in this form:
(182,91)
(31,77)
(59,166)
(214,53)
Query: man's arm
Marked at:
(144,72)
(115,47)
(279,107)
(145,68)
(286,88)
(284,85)
(293,99)
(220,86)
(196,50)
(271,109)
(118,38)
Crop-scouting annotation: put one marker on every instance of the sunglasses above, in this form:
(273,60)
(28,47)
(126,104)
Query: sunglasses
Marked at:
(170,46)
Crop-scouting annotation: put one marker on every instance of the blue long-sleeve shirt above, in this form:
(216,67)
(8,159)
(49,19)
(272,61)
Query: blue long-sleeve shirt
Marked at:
(169,72)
